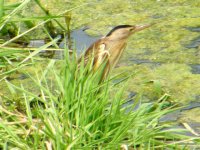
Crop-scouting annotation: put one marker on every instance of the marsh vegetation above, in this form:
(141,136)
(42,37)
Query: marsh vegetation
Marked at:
(48,102)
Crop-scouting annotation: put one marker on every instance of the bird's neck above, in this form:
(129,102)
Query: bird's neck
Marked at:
(117,39)
(116,42)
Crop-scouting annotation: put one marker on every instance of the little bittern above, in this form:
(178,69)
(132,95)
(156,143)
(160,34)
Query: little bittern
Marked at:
(109,49)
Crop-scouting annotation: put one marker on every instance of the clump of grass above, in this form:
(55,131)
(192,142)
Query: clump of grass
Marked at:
(74,111)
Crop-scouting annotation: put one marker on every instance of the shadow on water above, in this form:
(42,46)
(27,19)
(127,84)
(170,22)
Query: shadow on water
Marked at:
(79,39)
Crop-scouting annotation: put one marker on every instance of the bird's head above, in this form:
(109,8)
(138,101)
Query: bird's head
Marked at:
(124,31)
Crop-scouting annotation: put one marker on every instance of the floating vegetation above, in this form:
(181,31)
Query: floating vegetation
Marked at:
(46,104)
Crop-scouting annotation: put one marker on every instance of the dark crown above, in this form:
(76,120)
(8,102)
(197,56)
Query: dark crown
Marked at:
(118,27)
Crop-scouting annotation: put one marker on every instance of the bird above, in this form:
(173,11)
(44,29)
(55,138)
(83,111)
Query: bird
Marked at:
(109,49)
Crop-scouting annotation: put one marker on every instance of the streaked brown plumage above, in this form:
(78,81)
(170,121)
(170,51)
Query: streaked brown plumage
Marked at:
(109,49)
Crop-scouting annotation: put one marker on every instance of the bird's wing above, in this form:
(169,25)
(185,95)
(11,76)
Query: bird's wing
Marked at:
(101,56)
(97,54)
(97,51)
(92,50)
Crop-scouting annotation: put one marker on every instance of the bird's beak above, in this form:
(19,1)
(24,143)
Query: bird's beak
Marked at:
(141,27)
